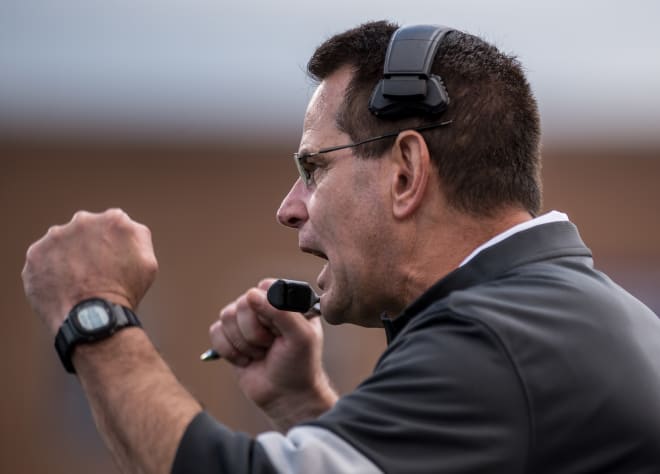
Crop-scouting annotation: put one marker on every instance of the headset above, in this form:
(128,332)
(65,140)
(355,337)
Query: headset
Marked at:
(408,87)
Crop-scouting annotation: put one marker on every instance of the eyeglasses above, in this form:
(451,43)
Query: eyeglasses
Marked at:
(301,158)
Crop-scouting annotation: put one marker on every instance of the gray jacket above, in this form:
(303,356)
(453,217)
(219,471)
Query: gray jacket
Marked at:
(524,360)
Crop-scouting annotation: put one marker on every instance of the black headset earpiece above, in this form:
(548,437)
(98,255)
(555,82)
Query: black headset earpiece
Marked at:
(408,87)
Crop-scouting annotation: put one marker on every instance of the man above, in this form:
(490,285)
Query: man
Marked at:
(508,352)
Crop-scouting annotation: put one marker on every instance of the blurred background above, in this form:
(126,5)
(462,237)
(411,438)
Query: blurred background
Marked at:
(185,113)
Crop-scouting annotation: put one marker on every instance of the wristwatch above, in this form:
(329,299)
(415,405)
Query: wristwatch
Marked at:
(89,321)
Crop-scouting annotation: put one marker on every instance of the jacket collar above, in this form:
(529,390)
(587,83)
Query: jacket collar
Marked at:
(542,242)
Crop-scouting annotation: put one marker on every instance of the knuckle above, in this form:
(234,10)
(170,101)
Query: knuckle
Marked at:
(220,343)
(215,331)
(81,216)
(255,332)
(242,302)
(239,345)
(150,263)
(246,324)
(228,314)
(238,340)
(230,353)
(253,295)
(29,253)
(54,231)
(223,343)
(143,232)
(115,216)
(152,266)
(114,212)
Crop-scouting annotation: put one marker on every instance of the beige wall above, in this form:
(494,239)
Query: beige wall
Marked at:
(211,210)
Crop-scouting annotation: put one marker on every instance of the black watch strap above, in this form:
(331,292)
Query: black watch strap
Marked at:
(69,336)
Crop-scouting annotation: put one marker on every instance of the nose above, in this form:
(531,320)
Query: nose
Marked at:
(293,210)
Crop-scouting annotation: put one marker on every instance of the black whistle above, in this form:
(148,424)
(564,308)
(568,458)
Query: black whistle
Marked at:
(292,295)
(285,295)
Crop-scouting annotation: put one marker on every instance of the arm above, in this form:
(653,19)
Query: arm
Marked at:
(139,407)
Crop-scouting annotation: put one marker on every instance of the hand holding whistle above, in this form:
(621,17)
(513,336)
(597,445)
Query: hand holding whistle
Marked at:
(285,295)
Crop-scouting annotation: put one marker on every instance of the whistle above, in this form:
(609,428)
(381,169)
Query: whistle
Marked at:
(285,295)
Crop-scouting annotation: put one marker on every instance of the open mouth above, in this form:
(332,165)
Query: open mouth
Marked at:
(321,281)
(314,252)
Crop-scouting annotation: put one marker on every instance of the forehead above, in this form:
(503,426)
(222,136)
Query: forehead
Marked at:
(320,126)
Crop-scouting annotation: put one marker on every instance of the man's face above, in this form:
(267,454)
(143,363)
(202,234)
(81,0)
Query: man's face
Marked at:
(343,215)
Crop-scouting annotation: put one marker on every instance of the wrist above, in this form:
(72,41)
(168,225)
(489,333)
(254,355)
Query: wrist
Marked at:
(91,321)
(300,406)
(114,355)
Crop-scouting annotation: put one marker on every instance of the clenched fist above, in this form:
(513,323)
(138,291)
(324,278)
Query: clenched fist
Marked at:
(104,255)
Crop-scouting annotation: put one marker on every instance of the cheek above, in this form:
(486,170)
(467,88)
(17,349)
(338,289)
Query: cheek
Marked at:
(365,237)
(350,214)
(331,209)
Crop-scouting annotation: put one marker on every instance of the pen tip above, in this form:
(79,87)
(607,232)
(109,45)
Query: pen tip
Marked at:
(209,355)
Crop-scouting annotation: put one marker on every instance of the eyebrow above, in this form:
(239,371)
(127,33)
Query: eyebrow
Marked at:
(304,152)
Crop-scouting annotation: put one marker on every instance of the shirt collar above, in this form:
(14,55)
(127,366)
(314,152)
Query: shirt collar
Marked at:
(545,237)
(552,216)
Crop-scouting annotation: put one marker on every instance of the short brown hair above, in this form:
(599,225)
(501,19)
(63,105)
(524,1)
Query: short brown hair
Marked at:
(489,156)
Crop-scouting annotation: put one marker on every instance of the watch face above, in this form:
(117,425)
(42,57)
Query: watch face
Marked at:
(93,316)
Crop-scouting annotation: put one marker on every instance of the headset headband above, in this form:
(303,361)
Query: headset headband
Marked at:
(408,87)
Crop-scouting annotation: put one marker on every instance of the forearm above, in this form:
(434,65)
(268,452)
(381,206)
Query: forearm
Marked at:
(140,408)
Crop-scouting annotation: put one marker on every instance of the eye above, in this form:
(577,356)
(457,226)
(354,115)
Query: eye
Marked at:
(309,169)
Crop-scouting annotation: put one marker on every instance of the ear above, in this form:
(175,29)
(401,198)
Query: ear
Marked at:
(412,169)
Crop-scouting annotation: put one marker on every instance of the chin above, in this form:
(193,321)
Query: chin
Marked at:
(333,321)
(332,315)
(335,316)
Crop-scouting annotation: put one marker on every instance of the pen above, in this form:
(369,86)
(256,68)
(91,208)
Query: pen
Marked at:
(286,295)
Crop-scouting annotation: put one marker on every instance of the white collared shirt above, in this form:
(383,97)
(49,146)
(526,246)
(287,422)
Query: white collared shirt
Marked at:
(552,216)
